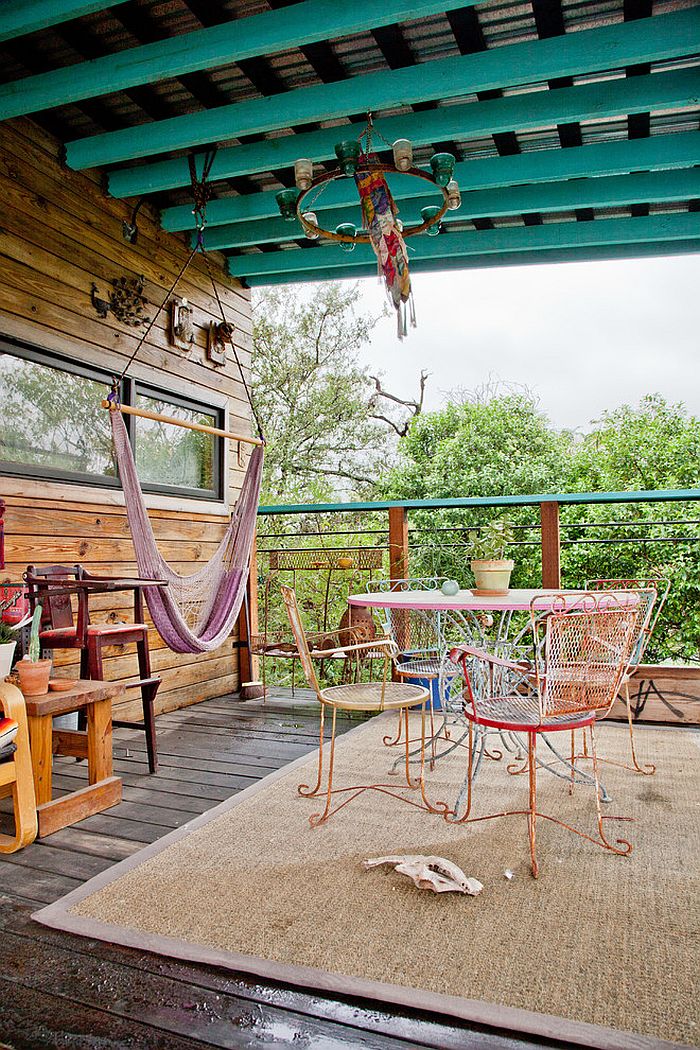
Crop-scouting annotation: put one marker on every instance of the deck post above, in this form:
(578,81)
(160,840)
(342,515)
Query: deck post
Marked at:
(248,662)
(398,543)
(551,548)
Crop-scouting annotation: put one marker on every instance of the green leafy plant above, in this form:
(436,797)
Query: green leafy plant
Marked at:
(34,647)
(7,635)
(491,541)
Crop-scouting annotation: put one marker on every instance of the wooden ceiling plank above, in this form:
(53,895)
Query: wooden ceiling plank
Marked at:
(656,153)
(19,17)
(662,91)
(651,39)
(268,33)
(602,232)
(610,252)
(606,192)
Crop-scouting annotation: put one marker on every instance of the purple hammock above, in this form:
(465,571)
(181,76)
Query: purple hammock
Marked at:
(193,614)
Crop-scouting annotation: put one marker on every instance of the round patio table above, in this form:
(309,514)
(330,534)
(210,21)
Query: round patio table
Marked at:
(468,617)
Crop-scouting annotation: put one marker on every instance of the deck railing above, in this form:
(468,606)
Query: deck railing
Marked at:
(557,534)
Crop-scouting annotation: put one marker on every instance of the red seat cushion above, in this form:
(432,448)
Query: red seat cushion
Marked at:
(66,637)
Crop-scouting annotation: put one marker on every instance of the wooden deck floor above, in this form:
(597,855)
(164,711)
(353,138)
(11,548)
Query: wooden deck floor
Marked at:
(58,990)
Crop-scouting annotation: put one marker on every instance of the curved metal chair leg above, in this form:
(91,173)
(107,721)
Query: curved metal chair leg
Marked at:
(388,741)
(318,818)
(649,769)
(532,814)
(623,847)
(304,789)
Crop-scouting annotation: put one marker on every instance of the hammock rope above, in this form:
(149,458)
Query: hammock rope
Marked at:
(194,613)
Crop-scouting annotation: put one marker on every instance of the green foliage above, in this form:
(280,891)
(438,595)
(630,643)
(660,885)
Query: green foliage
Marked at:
(505,446)
(313,397)
(6,633)
(34,647)
(491,541)
(479,448)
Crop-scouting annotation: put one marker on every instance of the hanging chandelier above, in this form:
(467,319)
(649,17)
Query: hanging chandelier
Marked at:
(380,225)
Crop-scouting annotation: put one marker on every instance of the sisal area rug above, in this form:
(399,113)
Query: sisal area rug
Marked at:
(598,948)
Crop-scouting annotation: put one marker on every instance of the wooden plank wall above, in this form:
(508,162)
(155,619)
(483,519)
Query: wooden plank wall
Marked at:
(58,235)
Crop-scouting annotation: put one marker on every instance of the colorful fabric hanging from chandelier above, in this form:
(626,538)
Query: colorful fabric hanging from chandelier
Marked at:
(379,219)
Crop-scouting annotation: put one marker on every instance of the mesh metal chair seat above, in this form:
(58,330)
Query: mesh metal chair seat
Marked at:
(373,696)
(586,648)
(522,714)
(426,667)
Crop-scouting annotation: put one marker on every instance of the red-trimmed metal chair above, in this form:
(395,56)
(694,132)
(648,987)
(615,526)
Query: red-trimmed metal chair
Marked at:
(354,696)
(50,586)
(586,649)
(652,598)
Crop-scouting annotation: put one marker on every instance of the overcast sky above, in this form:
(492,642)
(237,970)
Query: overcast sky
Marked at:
(583,336)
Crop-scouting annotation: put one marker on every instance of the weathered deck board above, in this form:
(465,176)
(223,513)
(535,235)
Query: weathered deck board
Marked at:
(60,990)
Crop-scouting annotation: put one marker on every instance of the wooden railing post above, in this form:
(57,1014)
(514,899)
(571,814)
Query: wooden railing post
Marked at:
(398,543)
(551,547)
(248,662)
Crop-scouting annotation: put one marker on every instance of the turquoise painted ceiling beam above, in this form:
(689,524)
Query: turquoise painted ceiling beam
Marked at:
(658,228)
(19,17)
(646,40)
(606,192)
(263,34)
(470,120)
(608,252)
(658,152)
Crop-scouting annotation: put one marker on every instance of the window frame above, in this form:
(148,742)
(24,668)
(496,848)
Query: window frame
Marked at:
(129,388)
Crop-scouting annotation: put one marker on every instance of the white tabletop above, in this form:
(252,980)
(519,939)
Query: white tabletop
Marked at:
(464,600)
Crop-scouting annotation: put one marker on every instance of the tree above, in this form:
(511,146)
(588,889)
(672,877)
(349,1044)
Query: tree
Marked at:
(503,445)
(325,433)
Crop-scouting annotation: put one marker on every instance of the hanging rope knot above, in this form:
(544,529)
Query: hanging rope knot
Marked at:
(113,395)
(202,190)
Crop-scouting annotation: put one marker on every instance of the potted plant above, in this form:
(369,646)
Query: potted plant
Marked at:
(488,547)
(33,672)
(8,642)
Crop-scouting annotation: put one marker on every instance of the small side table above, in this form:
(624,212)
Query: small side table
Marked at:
(95,744)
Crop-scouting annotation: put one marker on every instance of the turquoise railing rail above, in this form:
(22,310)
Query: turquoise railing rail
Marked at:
(562,498)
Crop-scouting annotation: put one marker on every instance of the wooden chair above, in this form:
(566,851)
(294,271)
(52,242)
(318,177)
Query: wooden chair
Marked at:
(586,649)
(355,696)
(53,586)
(16,774)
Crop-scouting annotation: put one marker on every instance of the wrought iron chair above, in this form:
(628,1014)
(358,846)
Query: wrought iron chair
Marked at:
(356,696)
(52,586)
(16,777)
(586,650)
(420,643)
(652,598)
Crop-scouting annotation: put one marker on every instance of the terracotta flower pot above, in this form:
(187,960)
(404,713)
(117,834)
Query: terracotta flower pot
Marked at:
(7,651)
(34,677)
(492,577)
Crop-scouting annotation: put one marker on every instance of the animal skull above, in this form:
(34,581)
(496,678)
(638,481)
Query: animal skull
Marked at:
(430,873)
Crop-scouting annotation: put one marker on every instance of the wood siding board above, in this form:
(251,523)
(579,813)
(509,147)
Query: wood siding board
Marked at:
(58,235)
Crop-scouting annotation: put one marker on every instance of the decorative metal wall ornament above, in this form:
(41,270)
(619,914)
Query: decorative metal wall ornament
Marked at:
(220,336)
(181,324)
(380,226)
(126,301)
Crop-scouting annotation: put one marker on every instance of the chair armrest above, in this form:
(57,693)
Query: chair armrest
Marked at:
(383,642)
(460,652)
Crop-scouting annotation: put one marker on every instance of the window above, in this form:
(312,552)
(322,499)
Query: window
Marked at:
(52,426)
(171,458)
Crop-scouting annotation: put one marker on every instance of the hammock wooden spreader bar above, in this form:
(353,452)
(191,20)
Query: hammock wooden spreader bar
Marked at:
(202,427)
